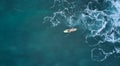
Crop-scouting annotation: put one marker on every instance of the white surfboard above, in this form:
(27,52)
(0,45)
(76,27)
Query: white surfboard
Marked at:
(70,30)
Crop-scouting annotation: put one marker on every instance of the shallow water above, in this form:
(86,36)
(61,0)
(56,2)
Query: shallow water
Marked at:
(25,40)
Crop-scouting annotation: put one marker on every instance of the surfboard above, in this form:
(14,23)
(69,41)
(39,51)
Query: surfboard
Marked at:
(70,30)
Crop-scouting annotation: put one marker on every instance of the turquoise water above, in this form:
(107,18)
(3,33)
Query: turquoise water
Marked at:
(26,41)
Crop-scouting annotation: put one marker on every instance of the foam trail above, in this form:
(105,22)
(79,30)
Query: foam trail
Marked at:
(98,54)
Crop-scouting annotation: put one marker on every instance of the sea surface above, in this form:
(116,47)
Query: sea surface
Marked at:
(31,33)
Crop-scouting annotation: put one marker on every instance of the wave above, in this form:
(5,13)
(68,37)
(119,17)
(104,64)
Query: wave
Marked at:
(101,18)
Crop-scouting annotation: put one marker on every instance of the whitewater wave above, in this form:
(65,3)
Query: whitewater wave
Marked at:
(101,18)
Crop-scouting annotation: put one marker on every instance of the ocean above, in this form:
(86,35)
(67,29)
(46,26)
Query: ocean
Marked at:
(31,33)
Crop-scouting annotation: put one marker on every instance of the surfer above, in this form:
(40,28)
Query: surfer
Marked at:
(70,30)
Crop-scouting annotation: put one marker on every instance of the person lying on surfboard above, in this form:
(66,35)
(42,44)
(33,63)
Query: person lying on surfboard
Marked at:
(70,30)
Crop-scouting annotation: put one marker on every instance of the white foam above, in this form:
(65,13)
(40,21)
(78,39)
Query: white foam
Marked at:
(97,57)
(101,22)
